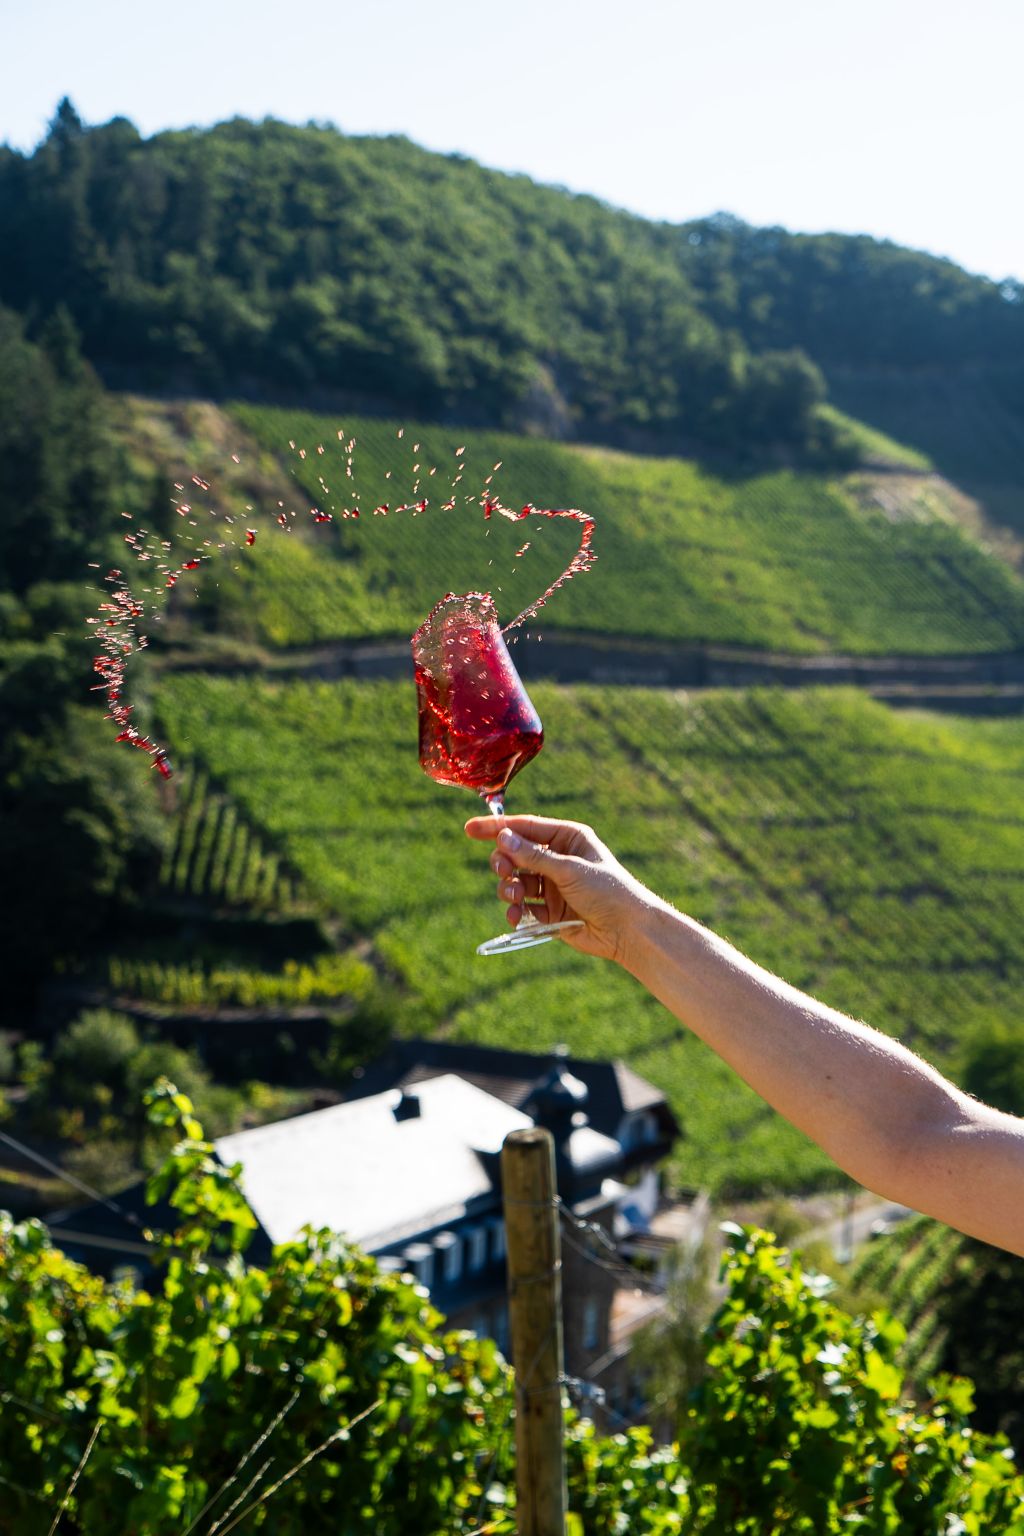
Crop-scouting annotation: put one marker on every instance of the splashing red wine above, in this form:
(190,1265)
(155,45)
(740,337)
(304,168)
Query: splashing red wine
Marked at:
(477,724)
(118,619)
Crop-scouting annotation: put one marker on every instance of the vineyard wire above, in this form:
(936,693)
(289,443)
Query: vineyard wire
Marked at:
(310,1456)
(596,1237)
(75,1476)
(262,1439)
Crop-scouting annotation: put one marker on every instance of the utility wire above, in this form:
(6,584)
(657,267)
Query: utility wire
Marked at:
(149,1233)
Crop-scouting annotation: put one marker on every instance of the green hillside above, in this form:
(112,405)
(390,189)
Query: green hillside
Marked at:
(970,422)
(874,859)
(785,561)
(851,300)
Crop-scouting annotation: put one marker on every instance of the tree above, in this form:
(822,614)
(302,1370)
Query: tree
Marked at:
(296,257)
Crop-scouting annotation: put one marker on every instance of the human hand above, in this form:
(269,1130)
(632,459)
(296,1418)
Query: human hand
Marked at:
(564,871)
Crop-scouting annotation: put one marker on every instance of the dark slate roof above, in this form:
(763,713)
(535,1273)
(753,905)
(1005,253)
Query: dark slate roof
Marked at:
(359,1168)
(613,1088)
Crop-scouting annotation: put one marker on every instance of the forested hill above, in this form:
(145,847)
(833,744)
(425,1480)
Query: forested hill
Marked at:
(297,258)
(851,301)
(283,260)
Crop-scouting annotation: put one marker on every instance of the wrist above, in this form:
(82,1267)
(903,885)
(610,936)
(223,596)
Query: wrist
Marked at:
(653,930)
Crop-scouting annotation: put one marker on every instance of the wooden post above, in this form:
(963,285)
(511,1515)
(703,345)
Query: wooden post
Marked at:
(535,1312)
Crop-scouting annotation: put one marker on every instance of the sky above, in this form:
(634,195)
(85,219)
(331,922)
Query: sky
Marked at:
(902,119)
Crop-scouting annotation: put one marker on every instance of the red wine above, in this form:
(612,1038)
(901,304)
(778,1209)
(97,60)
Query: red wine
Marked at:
(477,724)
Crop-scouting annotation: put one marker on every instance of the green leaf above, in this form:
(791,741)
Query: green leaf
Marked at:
(881,1377)
(183,1402)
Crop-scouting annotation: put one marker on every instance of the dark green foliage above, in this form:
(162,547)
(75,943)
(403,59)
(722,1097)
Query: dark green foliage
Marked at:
(92,1053)
(78,828)
(850,301)
(79,833)
(297,258)
(318,1394)
(57,466)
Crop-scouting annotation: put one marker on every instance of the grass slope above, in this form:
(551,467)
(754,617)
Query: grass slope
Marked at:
(874,858)
(969,423)
(788,561)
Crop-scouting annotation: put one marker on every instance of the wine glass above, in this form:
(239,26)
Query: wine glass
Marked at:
(477,724)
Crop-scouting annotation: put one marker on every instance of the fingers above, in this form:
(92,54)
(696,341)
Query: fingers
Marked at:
(526,855)
(538,909)
(521,888)
(563,836)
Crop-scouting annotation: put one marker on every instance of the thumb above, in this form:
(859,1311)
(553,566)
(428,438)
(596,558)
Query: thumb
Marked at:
(530,856)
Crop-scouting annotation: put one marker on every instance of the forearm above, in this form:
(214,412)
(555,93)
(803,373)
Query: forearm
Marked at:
(861,1096)
(886,1117)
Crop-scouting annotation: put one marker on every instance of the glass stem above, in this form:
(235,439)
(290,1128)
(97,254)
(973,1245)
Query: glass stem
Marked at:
(496,806)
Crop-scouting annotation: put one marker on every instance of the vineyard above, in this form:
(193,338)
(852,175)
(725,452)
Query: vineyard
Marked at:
(904,1273)
(182,984)
(784,560)
(873,859)
(221,875)
(217,856)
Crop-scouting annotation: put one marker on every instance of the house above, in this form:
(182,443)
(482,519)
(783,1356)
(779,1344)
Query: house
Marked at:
(408,1167)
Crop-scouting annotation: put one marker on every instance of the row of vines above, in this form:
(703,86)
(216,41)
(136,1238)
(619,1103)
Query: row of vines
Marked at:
(216,855)
(780,560)
(870,858)
(905,1272)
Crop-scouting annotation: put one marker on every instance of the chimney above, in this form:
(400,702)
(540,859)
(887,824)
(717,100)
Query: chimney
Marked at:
(408,1106)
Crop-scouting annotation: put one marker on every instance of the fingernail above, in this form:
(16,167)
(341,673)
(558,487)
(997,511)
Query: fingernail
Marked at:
(509,840)
(508,891)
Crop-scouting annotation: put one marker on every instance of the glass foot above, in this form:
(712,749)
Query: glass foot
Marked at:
(528,933)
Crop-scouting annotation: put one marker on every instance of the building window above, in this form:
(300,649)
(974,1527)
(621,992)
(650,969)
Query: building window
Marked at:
(591,1323)
(639,1130)
(449,1248)
(477,1243)
(420,1259)
(498,1228)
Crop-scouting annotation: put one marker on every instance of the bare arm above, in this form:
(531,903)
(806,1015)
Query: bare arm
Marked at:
(887,1118)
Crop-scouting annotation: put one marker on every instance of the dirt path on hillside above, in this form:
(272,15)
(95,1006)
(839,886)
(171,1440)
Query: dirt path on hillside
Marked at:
(981,684)
(971,684)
